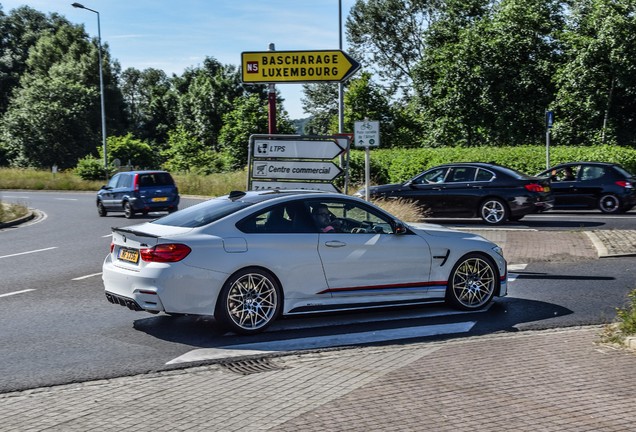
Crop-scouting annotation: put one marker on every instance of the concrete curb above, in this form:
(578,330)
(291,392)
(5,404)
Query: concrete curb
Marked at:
(18,221)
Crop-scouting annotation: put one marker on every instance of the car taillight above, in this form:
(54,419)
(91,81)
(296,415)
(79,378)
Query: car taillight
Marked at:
(136,183)
(112,247)
(624,183)
(534,187)
(169,252)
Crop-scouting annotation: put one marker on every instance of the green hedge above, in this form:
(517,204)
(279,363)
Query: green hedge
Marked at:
(398,165)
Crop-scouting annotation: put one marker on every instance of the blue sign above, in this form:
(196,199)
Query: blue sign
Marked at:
(549,118)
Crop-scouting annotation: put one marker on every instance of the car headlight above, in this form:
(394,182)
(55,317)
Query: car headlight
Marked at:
(498,250)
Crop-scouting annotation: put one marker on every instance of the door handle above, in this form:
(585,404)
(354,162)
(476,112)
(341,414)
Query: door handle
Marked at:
(335,244)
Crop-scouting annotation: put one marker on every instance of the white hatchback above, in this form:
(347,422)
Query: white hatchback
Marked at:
(248,257)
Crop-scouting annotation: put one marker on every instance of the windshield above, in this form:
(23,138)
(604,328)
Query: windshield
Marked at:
(203,213)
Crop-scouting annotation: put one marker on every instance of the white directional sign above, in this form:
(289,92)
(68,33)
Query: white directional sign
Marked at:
(268,185)
(289,149)
(367,133)
(299,170)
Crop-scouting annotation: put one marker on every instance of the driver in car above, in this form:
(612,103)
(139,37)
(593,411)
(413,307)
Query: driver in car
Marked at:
(322,217)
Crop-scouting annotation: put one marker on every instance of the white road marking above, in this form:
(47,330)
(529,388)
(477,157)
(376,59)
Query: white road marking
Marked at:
(29,252)
(109,235)
(16,292)
(321,342)
(16,197)
(87,276)
(67,199)
(512,268)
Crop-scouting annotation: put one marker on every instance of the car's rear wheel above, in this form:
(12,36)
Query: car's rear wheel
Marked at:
(493,211)
(101,210)
(128,210)
(249,302)
(472,282)
(609,204)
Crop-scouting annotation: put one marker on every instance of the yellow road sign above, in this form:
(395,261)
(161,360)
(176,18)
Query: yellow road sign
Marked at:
(296,66)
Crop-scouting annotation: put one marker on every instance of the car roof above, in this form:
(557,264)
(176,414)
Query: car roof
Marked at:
(265,195)
(143,172)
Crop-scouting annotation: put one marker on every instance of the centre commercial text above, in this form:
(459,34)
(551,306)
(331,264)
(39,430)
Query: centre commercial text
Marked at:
(308,65)
(287,170)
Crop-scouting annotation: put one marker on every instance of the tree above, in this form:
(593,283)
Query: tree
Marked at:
(596,99)
(130,150)
(386,36)
(248,117)
(151,104)
(19,31)
(47,123)
(486,77)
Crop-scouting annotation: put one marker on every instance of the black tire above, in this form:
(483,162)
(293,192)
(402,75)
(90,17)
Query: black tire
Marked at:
(249,302)
(128,211)
(493,211)
(101,211)
(472,282)
(609,204)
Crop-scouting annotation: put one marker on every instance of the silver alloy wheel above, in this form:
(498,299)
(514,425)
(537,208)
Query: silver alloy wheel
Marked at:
(473,283)
(609,203)
(493,211)
(252,301)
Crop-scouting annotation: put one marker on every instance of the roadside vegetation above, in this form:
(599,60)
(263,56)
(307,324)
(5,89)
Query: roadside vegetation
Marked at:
(9,212)
(624,325)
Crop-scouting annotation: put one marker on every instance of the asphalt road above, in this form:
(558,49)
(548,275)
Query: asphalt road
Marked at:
(59,328)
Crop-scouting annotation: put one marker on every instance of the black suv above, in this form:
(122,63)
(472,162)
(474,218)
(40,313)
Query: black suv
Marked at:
(138,192)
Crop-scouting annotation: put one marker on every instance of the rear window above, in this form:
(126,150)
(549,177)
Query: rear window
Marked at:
(203,213)
(155,179)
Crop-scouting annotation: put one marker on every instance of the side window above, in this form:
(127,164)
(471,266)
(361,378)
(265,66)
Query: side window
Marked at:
(125,181)
(461,174)
(592,172)
(289,217)
(341,217)
(567,173)
(484,175)
(434,176)
(112,183)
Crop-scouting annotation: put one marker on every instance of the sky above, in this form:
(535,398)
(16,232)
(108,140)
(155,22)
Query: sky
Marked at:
(175,35)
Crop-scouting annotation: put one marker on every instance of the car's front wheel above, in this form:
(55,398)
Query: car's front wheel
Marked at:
(100,209)
(609,204)
(493,211)
(472,282)
(249,302)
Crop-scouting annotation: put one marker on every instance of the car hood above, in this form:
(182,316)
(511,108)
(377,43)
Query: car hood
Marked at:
(387,188)
(441,231)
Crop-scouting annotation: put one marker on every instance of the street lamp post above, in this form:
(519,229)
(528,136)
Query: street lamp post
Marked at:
(101,83)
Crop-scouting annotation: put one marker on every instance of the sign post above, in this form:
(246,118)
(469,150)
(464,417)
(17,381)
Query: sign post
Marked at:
(293,162)
(367,135)
(549,121)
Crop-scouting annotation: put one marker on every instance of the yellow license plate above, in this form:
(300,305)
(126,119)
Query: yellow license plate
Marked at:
(160,199)
(130,255)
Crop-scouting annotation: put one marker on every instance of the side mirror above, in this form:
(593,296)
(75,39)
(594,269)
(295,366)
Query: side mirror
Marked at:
(399,227)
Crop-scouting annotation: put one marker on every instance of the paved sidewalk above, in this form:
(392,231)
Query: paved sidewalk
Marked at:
(557,380)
